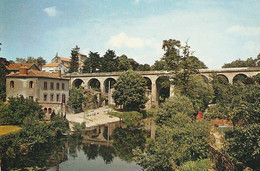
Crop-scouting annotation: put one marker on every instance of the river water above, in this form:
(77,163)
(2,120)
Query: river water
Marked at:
(107,147)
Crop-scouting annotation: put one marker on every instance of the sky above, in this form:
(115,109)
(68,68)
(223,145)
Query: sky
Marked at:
(218,31)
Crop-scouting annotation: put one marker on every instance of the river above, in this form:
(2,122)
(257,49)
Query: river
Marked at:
(107,147)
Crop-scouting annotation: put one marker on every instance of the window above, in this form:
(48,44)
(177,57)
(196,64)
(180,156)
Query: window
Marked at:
(31,84)
(31,97)
(58,97)
(58,86)
(45,97)
(11,84)
(51,98)
(63,98)
(62,86)
(45,86)
(52,85)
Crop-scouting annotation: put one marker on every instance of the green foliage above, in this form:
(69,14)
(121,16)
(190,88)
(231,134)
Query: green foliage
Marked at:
(130,118)
(130,91)
(79,127)
(3,73)
(172,106)
(243,144)
(183,140)
(18,109)
(152,112)
(76,98)
(127,139)
(125,63)
(109,62)
(38,61)
(249,62)
(92,63)
(143,67)
(202,165)
(198,91)
(74,64)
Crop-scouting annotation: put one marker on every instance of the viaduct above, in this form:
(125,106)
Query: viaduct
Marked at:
(104,80)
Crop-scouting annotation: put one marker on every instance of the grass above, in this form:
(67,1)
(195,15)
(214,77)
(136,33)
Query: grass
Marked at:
(8,129)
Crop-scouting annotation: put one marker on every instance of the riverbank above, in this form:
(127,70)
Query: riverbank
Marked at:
(98,117)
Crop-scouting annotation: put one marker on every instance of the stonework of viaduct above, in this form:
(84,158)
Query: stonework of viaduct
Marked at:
(85,79)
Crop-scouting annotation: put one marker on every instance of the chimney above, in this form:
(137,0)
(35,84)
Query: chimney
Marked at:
(23,70)
(59,73)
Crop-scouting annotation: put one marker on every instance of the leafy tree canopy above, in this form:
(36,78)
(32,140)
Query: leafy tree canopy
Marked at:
(249,62)
(92,63)
(38,61)
(18,109)
(76,98)
(74,64)
(172,106)
(130,91)
(3,73)
(182,141)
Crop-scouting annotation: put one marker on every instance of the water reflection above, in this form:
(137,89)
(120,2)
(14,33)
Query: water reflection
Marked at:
(102,148)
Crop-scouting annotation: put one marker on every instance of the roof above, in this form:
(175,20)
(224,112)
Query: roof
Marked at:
(34,73)
(17,66)
(65,59)
(51,65)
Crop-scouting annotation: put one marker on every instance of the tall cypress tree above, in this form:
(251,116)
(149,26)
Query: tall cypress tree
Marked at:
(74,64)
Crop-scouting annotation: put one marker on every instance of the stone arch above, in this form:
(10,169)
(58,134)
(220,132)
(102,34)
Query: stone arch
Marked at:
(109,82)
(78,83)
(163,88)
(148,92)
(45,110)
(221,78)
(239,78)
(148,83)
(49,110)
(94,84)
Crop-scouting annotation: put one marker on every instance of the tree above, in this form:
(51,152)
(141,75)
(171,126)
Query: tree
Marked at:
(74,64)
(109,61)
(20,60)
(181,141)
(3,73)
(197,90)
(130,91)
(249,62)
(144,67)
(92,63)
(125,63)
(76,98)
(172,106)
(18,109)
(242,144)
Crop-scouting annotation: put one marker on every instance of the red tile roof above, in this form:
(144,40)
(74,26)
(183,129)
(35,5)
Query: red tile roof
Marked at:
(34,73)
(52,65)
(17,66)
(65,59)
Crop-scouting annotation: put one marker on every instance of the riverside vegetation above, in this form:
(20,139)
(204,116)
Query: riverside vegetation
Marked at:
(181,142)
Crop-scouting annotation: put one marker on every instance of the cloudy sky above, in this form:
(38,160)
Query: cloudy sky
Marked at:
(218,31)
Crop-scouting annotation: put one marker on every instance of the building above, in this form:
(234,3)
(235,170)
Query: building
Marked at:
(66,61)
(50,90)
(55,67)
(13,68)
(57,59)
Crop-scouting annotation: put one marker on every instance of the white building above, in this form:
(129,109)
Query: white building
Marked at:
(55,67)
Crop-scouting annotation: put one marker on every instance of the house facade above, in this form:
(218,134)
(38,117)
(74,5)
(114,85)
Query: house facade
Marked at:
(50,90)
(55,67)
